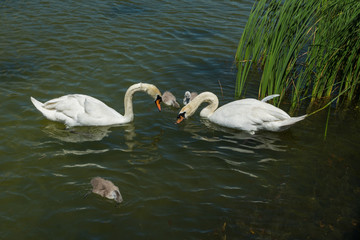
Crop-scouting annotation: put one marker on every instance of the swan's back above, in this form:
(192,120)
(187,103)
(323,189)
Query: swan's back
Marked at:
(252,115)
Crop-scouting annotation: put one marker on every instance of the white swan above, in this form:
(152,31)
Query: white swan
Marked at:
(169,99)
(83,110)
(105,188)
(247,114)
(188,97)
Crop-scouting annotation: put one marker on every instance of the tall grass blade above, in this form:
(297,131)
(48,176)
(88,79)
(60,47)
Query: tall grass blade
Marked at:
(306,49)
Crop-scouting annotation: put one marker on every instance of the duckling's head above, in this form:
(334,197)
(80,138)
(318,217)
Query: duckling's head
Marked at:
(115,194)
(187,97)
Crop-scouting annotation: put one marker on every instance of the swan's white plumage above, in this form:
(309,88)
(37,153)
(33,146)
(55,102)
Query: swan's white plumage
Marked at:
(247,114)
(79,110)
(83,110)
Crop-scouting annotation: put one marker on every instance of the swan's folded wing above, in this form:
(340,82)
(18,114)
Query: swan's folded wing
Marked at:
(247,114)
(96,109)
(261,114)
(75,104)
(69,105)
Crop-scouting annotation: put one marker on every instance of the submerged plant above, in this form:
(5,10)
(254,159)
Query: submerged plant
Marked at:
(305,48)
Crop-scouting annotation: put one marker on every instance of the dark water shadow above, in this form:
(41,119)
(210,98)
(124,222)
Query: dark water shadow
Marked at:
(18,69)
(194,33)
(124,9)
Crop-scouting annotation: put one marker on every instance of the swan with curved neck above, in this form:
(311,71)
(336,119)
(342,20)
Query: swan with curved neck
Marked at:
(83,110)
(247,114)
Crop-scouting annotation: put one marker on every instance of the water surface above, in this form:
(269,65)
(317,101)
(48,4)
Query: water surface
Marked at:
(188,181)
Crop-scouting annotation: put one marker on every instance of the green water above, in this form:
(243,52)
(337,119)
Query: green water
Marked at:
(188,181)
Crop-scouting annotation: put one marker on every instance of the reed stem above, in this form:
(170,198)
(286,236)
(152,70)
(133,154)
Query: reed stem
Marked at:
(307,49)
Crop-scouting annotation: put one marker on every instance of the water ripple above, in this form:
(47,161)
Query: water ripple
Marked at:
(243,172)
(234,163)
(84,165)
(80,152)
(237,149)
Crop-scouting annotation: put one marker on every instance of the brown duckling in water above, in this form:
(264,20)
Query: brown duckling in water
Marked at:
(169,99)
(105,188)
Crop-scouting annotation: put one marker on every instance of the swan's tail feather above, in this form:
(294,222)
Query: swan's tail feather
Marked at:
(37,104)
(50,113)
(40,106)
(288,122)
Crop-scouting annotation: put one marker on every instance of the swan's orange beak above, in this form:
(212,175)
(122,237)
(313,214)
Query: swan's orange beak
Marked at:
(180,117)
(157,102)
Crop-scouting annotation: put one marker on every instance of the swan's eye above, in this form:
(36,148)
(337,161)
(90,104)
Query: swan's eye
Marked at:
(158,100)
(180,117)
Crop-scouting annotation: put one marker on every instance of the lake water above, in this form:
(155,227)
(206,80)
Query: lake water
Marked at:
(188,181)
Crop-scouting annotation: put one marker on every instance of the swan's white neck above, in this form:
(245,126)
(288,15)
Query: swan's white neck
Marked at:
(128,103)
(201,98)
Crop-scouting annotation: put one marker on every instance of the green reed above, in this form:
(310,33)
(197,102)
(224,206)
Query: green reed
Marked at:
(308,49)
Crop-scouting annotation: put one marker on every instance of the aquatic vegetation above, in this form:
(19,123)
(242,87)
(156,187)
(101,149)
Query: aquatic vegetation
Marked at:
(305,49)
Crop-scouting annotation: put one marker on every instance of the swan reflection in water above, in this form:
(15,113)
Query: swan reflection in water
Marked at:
(130,141)
(85,134)
(235,148)
(241,141)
